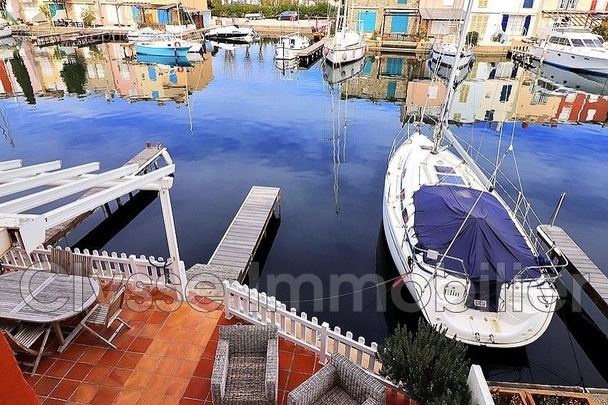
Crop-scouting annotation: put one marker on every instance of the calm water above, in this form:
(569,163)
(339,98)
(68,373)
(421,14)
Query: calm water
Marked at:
(248,123)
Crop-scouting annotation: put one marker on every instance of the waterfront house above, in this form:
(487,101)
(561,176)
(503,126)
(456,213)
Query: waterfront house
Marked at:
(394,19)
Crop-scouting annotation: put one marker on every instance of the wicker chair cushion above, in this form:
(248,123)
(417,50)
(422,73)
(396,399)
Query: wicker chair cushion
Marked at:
(337,396)
(245,377)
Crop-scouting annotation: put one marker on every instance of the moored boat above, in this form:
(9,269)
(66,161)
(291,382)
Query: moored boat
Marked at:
(232,33)
(444,54)
(470,260)
(288,46)
(346,45)
(572,48)
(163,45)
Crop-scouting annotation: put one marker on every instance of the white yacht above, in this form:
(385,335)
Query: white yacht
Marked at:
(572,48)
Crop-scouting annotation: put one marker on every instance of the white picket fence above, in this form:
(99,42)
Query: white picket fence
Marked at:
(138,271)
(258,308)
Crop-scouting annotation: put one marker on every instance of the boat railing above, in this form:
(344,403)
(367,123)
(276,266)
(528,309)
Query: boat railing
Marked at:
(413,124)
(439,266)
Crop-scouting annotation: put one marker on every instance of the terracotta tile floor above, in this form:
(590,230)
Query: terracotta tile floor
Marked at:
(165,358)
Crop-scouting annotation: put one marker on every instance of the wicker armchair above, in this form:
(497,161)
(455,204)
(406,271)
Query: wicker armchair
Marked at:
(246,367)
(339,382)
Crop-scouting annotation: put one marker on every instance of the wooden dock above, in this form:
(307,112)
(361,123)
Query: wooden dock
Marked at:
(234,254)
(145,160)
(311,54)
(583,270)
(78,38)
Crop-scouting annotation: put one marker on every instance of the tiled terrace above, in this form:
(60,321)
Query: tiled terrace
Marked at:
(165,358)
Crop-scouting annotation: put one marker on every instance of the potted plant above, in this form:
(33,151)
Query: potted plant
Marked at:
(88,16)
(431,368)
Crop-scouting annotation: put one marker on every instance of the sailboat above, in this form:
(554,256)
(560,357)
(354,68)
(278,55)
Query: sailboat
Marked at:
(346,45)
(471,262)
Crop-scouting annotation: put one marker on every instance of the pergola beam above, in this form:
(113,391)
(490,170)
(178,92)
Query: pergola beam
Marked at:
(113,183)
(69,211)
(46,178)
(10,164)
(40,198)
(29,170)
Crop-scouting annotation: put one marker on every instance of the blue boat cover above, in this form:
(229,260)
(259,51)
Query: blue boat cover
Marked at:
(489,244)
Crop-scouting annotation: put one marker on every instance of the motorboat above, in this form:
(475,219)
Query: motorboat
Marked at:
(232,33)
(163,45)
(288,46)
(465,250)
(444,54)
(333,74)
(142,35)
(572,48)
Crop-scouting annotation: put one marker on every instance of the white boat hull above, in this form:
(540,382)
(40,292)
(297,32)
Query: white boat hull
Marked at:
(445,55)
(344,47)
(339,56)
(528,305)
(593,60)
(6,32)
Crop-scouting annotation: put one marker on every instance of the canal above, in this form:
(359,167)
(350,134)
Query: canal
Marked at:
(235,119)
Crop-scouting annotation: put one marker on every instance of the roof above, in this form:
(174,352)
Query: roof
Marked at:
(441,14)
(186,9)
(474,227)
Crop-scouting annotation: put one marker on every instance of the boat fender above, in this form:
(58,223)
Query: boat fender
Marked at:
(344,56)
(410,263)
(180,69)
(177,44)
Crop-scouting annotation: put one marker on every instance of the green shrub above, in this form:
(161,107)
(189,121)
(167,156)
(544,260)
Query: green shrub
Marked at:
(431,368)
(269,11)
(601,30)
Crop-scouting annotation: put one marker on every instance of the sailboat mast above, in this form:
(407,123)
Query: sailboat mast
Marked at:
(443,118)
(338,16)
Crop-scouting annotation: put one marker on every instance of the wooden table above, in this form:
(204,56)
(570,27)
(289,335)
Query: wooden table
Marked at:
(43,297)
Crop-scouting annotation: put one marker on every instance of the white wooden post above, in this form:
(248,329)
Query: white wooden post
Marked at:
(165,203)
(323,336)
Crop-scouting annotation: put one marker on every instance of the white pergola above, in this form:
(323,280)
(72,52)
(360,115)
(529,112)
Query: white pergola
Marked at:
(46,183)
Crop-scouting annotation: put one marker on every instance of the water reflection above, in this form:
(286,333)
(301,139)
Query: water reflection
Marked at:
(488,91)
(164,60)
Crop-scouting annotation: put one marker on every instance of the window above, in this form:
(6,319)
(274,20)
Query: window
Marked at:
(515,25)
(479,23)
(401,1)
(589,43)
(539,98)
(464,93)
(483,3)
(567,4)
(577,42)
(457,116)
(528,4)
(505,93)
(554,40)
